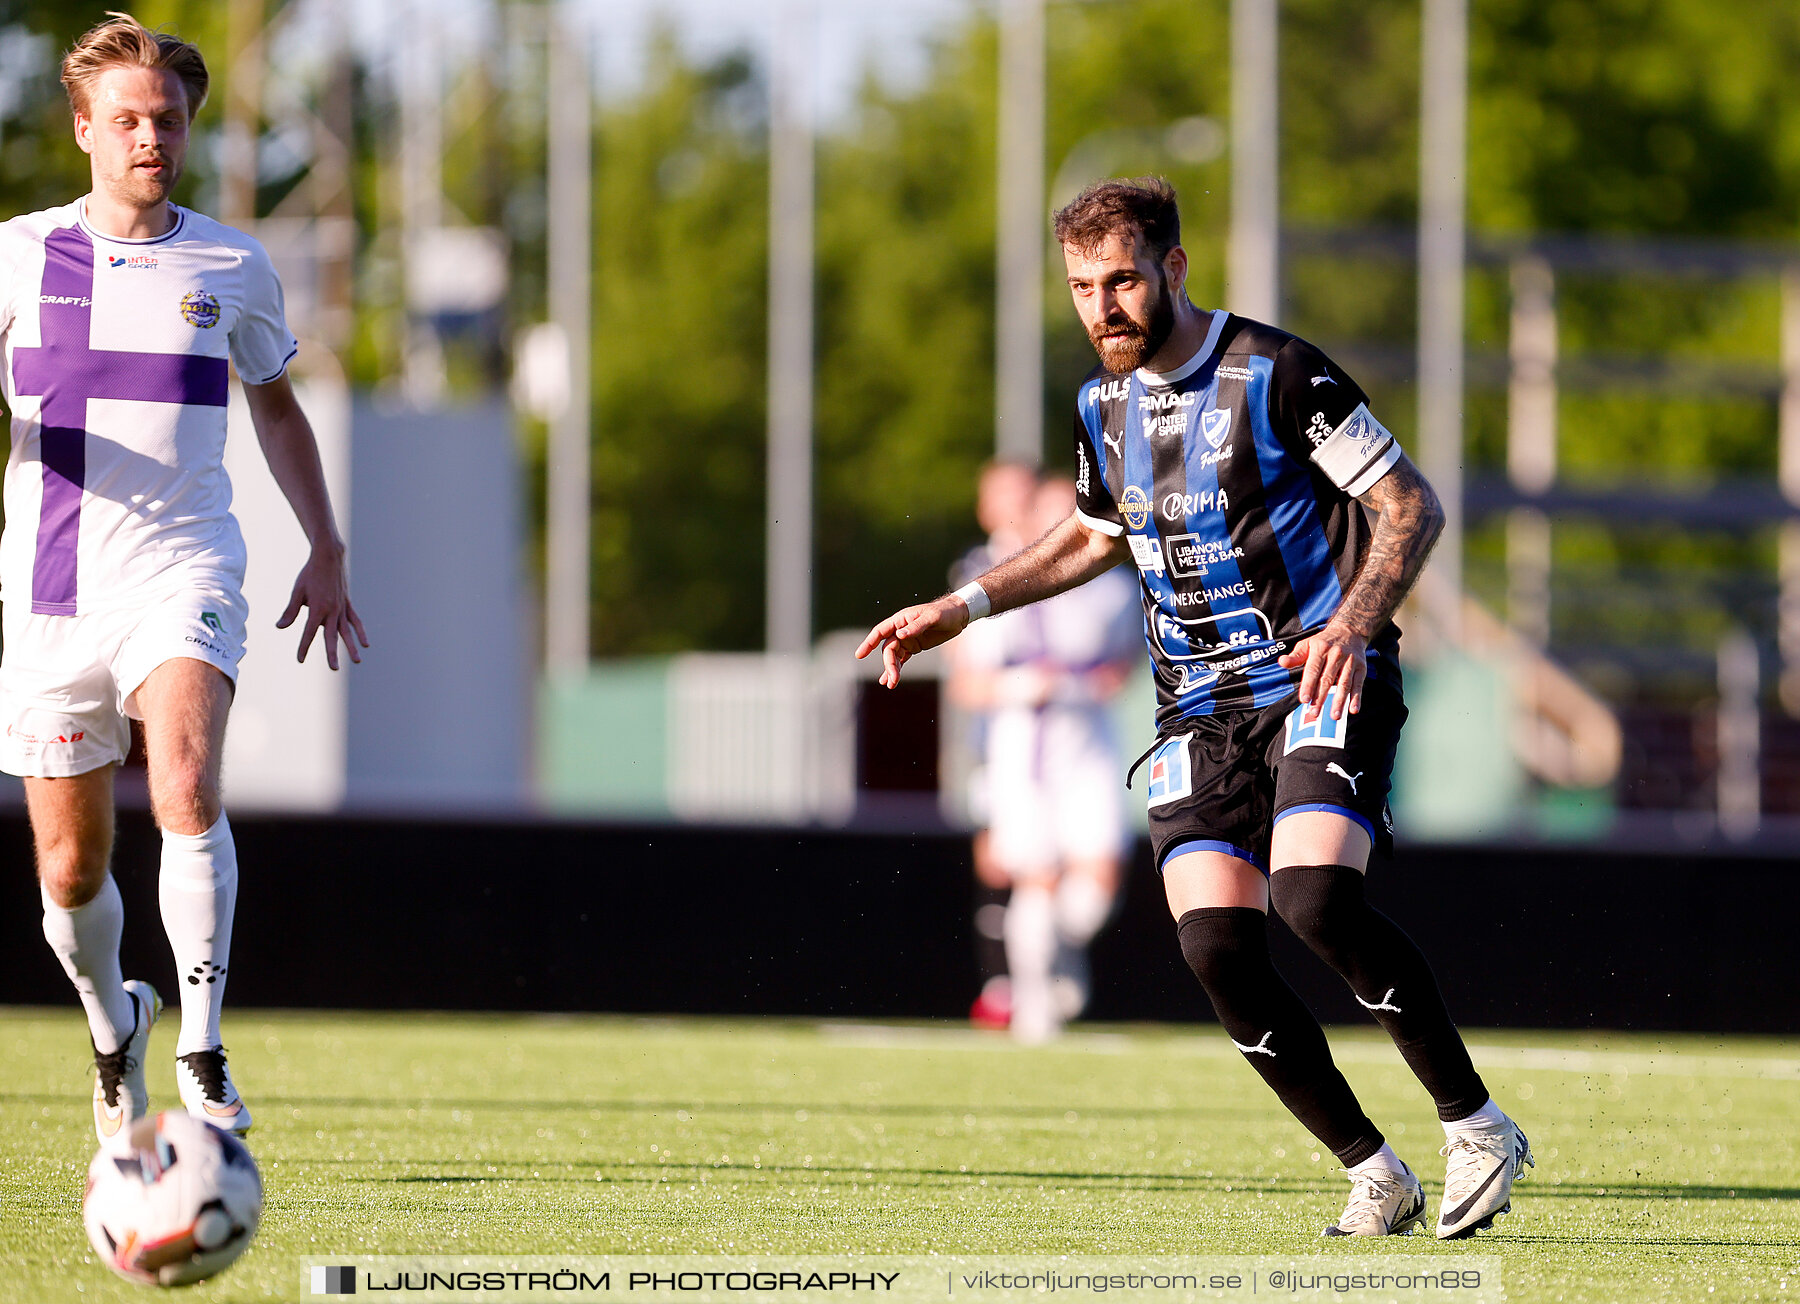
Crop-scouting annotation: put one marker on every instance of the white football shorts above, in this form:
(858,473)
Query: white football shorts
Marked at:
(68,683)
(1054,790)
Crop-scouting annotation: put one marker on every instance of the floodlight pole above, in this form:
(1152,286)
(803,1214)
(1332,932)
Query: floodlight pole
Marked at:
(569,244)
(1443,151)
(246,58)
(1019,282)
(421,188)
(1531,445)
(1253,271)
(330,184)
(788,587)
(1788,475)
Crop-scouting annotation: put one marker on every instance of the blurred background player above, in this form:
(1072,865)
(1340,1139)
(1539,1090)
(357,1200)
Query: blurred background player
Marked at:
(1004,502)
(122,565)
(1045,675)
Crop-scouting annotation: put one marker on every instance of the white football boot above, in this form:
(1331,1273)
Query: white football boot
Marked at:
(207,1091)
(120,1096)
(1382,1203)
(1478,1180)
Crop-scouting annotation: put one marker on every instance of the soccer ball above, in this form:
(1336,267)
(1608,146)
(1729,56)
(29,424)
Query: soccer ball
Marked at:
(182,1204)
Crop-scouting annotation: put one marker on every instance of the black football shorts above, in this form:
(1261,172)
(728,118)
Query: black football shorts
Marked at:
(1222,782)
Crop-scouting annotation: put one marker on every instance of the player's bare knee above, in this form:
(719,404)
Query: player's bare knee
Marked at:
(186,798)
(72,871)
(192,816)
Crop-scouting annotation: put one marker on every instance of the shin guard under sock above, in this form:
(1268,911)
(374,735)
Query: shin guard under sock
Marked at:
(1227,947)
(1387,973)
(86,940)
(198,893)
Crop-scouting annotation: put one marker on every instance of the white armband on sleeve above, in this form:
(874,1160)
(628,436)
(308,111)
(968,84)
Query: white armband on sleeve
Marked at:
(1357,453)
(976,599)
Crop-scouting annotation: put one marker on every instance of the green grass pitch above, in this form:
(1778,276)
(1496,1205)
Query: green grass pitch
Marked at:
(1667,1167)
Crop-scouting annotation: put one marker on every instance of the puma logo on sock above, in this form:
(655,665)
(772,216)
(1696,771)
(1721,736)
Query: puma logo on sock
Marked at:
(1261,1047)
(1386,1002)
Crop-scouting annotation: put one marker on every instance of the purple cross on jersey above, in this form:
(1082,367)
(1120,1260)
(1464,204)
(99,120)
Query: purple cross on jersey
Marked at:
(67,371)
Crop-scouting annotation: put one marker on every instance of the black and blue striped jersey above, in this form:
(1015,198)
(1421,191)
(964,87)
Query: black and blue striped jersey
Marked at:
(1234,478)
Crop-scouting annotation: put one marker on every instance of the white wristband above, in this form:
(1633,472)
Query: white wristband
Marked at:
(976,599)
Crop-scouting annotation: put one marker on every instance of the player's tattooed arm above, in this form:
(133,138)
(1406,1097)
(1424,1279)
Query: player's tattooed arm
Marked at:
(1070,554)
(1408,520)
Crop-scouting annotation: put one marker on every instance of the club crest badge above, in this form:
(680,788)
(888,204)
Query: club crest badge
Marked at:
(200,309)
(1215,425)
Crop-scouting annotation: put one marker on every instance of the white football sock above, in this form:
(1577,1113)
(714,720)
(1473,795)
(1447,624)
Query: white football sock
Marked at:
(86,940)
(1384,1160)
(1081,908)
(1488,1118)
(198,892)
(1030,950)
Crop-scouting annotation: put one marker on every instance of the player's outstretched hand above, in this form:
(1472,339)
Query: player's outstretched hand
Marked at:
(1336,659)
(324,591)
(913,630)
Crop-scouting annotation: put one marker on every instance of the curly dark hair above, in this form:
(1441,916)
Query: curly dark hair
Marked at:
(1143,206)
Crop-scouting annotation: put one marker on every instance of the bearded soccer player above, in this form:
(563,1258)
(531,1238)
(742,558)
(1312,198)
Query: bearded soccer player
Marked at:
(1276,527)
(121,566)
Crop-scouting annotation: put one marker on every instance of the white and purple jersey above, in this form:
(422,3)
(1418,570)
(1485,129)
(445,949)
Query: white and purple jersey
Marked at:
(116,371)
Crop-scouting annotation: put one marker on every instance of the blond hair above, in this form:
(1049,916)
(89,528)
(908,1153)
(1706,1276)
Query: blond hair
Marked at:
(123,42)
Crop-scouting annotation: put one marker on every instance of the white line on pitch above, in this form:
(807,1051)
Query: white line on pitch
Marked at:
(1205,1044)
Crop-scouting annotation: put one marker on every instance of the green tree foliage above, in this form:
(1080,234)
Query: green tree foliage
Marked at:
(905,299)
(1667,116)
(906,275)
(39,163)
(1568,101)
(1672,118)
(680,278)
(1650,118)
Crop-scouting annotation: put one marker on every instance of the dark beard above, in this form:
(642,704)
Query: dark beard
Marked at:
(1140,344)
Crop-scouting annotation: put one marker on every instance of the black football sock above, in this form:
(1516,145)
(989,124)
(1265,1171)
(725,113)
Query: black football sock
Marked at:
(1387,973)
(1227,947)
